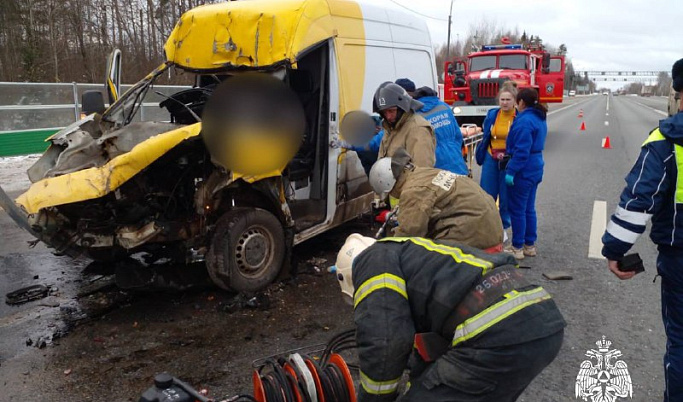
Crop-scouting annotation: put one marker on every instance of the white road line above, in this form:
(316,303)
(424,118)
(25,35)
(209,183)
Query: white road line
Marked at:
(608,103)
(562,108)
(606,123)
(653,109)
(598,225)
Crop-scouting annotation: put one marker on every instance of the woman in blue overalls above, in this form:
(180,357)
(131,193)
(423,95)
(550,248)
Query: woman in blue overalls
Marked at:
(524,171)
(491,150)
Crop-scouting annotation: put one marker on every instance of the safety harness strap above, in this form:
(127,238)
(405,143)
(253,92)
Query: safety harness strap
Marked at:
(378,387)
(513,302)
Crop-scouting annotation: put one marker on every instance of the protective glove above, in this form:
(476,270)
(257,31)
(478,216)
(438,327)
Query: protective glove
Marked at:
(341,144)
(509,180)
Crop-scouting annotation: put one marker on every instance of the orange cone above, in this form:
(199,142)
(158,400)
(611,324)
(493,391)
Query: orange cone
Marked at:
(605,143)
(583,126)
(581,113)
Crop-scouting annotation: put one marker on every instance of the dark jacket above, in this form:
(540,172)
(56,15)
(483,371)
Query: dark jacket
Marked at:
(525,143)
(405,286)
(651,193)
(446,129)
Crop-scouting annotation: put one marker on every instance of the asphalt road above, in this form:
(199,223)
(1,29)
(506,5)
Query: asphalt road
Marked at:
(595,303)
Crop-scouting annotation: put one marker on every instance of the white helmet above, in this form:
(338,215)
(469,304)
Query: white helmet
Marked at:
(382,177)
(354,245)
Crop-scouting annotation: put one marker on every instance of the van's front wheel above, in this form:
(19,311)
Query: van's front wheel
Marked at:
(247,250)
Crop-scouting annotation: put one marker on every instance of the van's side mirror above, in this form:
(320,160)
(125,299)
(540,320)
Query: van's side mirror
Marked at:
(92,102)
(546,63)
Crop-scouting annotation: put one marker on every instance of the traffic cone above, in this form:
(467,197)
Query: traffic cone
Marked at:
(580,113)
(605,143)
(583,126)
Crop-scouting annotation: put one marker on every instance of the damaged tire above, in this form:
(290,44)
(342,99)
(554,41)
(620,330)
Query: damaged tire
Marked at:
(247,250)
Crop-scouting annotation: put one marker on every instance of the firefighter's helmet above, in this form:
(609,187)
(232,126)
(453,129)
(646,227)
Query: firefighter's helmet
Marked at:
(386,171)
(381,177)
(390,95)
(354,245)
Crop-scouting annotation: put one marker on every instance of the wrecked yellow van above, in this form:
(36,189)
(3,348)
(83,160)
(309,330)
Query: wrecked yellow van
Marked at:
(109,187)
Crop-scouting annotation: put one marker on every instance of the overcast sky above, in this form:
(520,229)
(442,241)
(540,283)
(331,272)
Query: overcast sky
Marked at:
(599,34)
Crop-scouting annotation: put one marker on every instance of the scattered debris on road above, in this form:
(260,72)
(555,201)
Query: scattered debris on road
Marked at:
(557,276)
(27,294)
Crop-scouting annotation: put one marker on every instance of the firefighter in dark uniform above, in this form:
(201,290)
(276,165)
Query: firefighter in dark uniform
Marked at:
(481,331)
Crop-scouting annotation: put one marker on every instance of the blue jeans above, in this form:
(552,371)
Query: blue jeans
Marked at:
(493,182)
(522,208)
(670,267)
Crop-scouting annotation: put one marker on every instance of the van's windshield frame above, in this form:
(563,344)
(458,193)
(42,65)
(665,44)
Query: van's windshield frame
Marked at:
(122,111)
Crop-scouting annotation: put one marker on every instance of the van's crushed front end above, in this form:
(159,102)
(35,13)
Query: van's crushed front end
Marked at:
(107,186)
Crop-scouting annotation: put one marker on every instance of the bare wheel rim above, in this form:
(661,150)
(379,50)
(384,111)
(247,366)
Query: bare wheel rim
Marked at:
(254,251)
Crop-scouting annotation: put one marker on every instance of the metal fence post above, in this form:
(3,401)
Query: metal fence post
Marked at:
(77,114)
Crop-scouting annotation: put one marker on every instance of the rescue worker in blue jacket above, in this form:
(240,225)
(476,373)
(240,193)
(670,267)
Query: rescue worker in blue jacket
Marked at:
(654,190)
(482,332)
(446,129)
(524,171)
(440,116)
(490,153)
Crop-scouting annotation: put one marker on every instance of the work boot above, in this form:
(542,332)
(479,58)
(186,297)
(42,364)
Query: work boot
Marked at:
(529,251)
(518,253)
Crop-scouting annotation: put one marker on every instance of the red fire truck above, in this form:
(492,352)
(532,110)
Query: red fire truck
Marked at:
(471,83)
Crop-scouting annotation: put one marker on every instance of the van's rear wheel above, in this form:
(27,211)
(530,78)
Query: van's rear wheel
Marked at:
(247,250)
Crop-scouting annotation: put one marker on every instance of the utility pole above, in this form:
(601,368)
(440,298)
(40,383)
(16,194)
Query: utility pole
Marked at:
(448,45)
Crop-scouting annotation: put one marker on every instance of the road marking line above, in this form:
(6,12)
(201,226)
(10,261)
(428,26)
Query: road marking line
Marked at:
(608,103)
(598,226)
(653,109)
(562,108)
(567,107)
(606,123)
(606,114)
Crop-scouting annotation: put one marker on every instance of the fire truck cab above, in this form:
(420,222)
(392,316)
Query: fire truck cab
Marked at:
(472,83)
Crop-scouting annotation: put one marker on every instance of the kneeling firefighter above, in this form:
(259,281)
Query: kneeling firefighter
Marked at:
(438,204)
(467,324)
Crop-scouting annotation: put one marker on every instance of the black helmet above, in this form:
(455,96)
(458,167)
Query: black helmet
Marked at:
(392,95)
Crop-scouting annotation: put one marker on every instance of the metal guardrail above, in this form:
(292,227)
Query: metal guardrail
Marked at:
(31,112)
(30,105)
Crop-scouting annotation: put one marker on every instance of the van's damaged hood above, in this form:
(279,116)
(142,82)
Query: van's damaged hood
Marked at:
(82,165)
